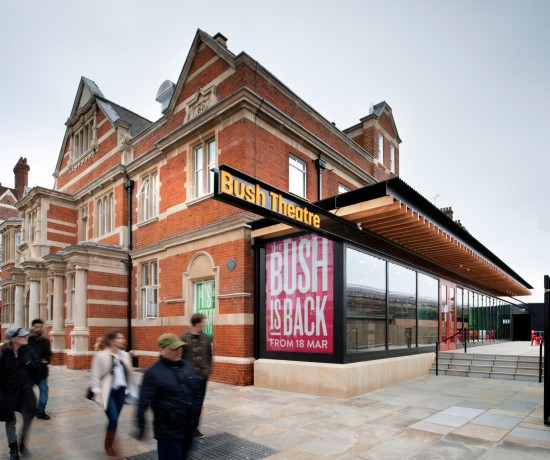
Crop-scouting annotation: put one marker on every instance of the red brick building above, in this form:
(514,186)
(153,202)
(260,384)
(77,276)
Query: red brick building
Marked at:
(131,237)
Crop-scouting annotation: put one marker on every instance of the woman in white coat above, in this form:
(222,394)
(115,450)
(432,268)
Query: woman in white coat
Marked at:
(111,380)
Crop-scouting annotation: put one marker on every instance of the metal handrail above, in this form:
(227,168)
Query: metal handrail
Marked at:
(540,360)
(461,331)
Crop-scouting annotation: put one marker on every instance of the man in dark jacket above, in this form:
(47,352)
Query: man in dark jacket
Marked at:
(198,350)
(169,387)
(42,349)
(17,364)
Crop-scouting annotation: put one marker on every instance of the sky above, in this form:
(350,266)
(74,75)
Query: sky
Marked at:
(467,81)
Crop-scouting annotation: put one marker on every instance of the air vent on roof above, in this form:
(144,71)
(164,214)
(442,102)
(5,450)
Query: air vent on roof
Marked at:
(164,94)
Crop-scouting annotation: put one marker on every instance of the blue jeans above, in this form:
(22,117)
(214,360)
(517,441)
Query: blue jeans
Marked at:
(43,397)
(173,449)
(114,407)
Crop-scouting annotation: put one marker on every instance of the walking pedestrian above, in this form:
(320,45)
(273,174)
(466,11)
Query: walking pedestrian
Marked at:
(18,368)
(169,387)
(43,351)
(198,350)
(111,380)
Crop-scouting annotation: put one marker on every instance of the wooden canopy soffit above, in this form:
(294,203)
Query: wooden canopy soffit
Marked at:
(393,220)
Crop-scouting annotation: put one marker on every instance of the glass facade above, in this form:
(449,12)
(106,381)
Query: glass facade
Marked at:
(365,302)
(402,307)
(389,307)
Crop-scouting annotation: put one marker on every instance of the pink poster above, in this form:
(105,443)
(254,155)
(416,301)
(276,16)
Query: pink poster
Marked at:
(299,295)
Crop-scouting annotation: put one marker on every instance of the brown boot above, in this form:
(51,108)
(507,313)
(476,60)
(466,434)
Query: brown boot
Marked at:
(109,440)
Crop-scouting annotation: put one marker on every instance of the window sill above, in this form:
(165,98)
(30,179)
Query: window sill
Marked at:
(198,199)
(147,222)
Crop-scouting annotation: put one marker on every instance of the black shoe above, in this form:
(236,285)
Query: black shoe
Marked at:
(23,447)
(14,451)
(197,434)
(43,416)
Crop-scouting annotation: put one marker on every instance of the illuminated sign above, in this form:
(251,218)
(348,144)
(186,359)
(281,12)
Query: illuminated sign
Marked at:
(299,295)
(237,188)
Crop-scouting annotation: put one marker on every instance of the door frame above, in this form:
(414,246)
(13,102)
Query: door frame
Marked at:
(447,315)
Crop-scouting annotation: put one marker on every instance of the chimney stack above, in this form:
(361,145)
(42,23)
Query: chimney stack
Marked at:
(448,212)
(221,39)
(21,172)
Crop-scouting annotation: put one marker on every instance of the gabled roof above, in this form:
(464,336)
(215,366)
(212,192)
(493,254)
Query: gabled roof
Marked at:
(376,112)
(87,92)
(4,191)
(220,50)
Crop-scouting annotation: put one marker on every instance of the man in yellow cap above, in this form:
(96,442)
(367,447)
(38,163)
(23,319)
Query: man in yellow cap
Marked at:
(170,388)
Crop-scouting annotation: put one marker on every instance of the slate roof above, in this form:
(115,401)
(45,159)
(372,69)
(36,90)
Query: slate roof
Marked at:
(137,122)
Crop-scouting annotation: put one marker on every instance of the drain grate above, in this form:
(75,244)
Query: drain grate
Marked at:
(221,445)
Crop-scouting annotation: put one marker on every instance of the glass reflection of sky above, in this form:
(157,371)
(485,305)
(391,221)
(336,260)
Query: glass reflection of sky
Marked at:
(365,270)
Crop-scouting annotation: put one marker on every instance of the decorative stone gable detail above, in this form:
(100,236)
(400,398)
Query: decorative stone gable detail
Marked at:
(204,99)
(125,146)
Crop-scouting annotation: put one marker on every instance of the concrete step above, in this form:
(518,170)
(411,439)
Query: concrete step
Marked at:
(531,378)
(502,375)
(457,373)
(479,374)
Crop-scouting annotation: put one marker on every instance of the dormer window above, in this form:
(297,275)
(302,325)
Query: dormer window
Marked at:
(83,140)
(392,158)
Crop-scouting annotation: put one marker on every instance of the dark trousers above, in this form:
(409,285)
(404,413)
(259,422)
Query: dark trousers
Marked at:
(173,449)
(43,394)
(201,393)
(114,407)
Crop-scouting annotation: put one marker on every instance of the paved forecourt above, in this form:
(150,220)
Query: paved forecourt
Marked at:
(428,417)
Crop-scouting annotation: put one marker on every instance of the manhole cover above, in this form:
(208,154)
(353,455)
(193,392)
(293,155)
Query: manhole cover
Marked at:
(221,445)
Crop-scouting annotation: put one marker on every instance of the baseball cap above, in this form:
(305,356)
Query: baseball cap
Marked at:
(16,331)
(171,341)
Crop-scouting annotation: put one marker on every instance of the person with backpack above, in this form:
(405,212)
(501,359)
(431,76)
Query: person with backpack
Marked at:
(111,380)
(18,370)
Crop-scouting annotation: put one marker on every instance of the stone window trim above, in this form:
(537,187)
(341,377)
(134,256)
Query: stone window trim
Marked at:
(380,155)
(83,140)
(297,176)
(203,156)
(105,210)
(32,223)
(392,158)
(149,289)
(148,197)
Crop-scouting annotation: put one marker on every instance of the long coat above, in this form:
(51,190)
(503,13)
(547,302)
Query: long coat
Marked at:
(16,393)
(102,375)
